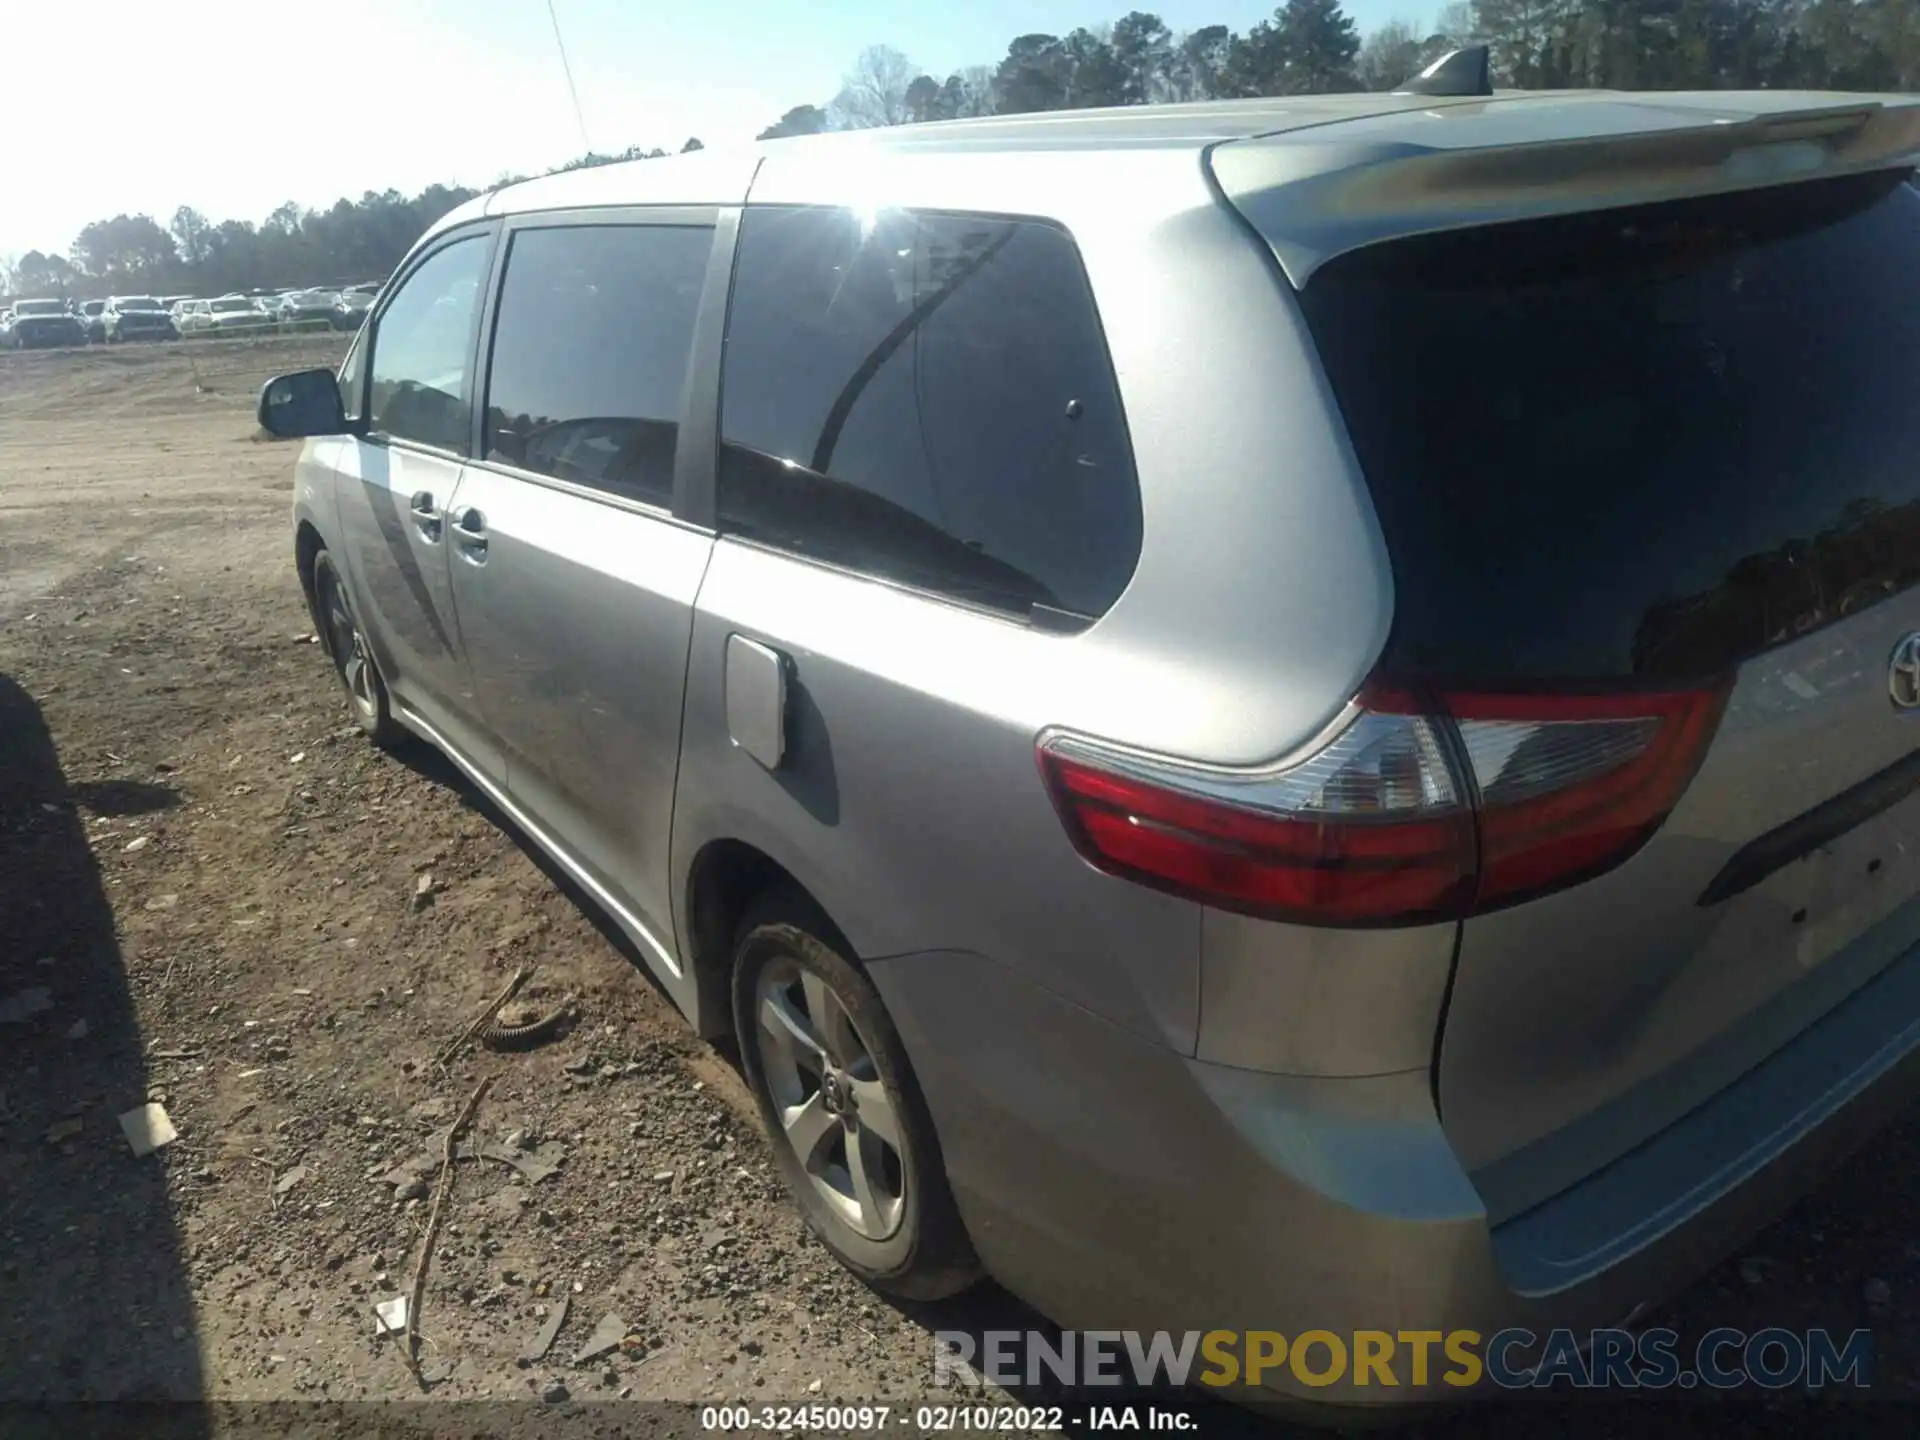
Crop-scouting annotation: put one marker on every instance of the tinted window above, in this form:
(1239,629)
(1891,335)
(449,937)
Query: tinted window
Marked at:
(421,350)
(590,354)
(1652,442)
(927,398)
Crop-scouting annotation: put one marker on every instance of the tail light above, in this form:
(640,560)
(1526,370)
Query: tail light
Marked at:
(1407,813)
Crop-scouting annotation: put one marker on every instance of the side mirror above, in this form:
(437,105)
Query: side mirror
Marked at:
(307,402)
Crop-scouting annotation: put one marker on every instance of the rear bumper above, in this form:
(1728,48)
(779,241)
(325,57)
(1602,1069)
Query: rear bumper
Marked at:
(1116,1185)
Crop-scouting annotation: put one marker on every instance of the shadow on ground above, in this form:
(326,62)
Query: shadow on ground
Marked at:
(94,1296)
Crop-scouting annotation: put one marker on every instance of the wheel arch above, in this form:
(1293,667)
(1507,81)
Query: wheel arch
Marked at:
(727,877)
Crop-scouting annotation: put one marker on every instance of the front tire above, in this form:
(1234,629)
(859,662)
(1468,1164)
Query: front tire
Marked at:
(352,658)
(849,1128)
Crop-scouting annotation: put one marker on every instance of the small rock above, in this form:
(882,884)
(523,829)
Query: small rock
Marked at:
(664,1177)
(63,1130)
(520,1140)
(583,1066)
(423,890)
(296,757)
(814,1388)
(139,842)
(554,1394)
(1877,1292)
(414,1189)
(287,1181)
(24,1004)
(713,1239)
(753,1347)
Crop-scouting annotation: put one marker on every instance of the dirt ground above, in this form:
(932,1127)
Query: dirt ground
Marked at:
(216,897)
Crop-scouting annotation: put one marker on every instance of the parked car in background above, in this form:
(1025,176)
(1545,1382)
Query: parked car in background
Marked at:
(137,317)
(304,308)
(190,315)
(90,313)
(226,315)
(1329,746)
(31,324)
(350,308)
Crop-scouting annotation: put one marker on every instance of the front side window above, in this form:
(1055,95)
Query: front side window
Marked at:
(590,354)
(928,399)
(422,350)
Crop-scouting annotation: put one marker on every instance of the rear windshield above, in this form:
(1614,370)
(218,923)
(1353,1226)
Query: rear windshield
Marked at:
(138,302)
(1646,443)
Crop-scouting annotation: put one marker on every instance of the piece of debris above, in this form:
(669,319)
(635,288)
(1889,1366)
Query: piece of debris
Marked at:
(423,889)
(536,1164)
(391,1315)
(543,1339)
(814,1388)
(412,1169)
(147,1128)
(287,1181)
(519,1140)
(23,1005)
(63,1130)
(163,902)
(139,842)
(77,1030)
(582,1066)
(445,1187)
(665,1177)
(480,1021)
(174,1054)
(524,1026)
(296,757)
(605,1339)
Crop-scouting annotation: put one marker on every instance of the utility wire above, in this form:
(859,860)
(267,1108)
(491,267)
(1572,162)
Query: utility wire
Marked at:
(567,66)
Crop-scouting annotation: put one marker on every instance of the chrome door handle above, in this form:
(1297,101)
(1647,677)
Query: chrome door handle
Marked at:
(425,517)
(470,533)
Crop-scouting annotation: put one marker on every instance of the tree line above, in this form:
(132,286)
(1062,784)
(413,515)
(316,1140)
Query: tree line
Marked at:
(1305,47)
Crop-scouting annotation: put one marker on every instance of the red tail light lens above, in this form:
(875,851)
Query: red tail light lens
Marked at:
(1370,829)
(1374,827)
(1571,785)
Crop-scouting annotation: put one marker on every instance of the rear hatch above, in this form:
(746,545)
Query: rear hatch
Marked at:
(1649,475)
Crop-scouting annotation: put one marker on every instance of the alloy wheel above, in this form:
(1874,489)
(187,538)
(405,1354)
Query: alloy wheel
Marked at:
(832,1106)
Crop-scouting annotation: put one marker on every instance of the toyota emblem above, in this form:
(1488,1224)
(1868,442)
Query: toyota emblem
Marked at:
(1903,673)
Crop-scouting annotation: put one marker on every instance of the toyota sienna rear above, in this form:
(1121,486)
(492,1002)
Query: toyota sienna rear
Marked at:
(1289,715)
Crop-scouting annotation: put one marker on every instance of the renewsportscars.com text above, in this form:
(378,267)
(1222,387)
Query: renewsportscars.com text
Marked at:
(1609,1359)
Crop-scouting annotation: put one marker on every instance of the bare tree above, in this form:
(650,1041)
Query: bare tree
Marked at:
(874,92)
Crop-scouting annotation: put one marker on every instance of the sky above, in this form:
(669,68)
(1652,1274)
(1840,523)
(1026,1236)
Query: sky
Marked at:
(237,106)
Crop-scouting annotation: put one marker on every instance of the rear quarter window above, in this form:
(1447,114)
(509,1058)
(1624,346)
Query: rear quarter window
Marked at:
(928,399)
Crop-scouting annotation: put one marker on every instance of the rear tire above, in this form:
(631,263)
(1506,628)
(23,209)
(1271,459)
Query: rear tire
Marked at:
(352,659)
(849,1128)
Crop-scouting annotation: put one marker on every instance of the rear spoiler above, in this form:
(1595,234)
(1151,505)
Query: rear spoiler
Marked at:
(1323,190)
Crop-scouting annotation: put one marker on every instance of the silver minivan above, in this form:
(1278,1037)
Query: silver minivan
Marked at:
(1293,714)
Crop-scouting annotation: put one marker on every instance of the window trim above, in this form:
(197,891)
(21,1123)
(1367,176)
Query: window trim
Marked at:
(697,445)
(485,230)
(1044,620)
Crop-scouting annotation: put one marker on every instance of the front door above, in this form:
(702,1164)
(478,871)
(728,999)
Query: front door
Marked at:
(398,484)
